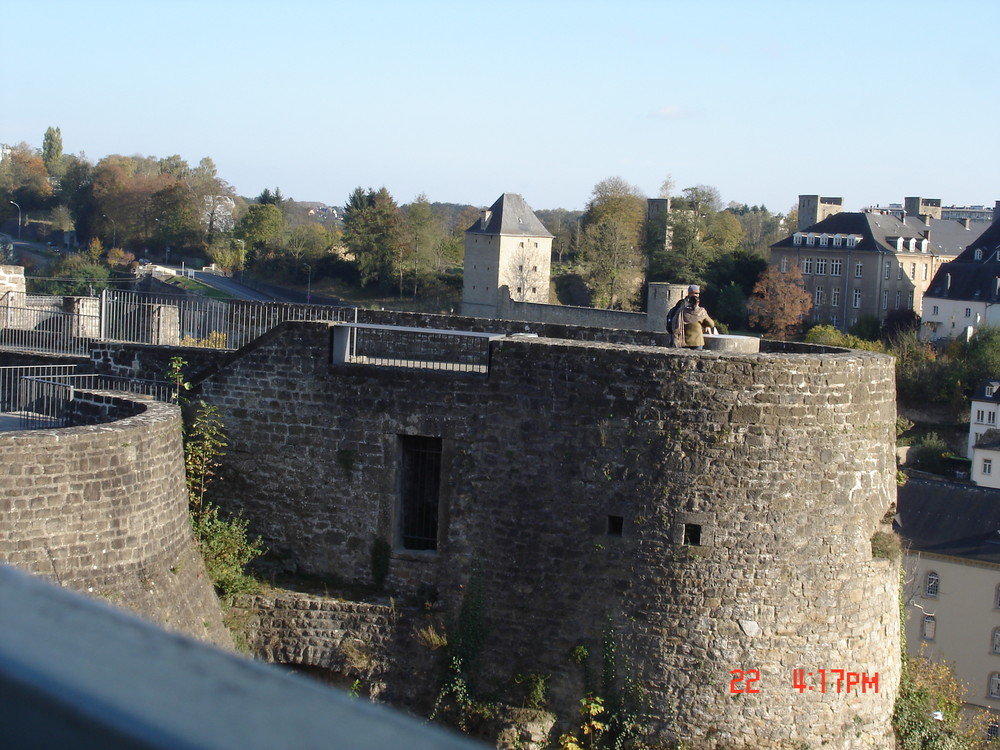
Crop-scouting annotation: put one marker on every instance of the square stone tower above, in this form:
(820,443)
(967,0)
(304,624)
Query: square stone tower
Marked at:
(507,247)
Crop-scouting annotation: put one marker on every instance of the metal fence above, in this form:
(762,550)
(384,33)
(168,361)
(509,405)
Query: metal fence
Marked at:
(413,348)
(68,325)
(39,396)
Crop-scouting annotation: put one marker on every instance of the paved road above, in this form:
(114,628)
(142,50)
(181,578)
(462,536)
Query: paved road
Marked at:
(231,286)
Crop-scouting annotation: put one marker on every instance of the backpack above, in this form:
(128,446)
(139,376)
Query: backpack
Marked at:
(672,319)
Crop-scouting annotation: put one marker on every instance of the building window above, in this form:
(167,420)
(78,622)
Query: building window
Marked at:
(987,467)
(818,296)
(934,310)
(929,628)
(968,312)
(835,321)
(692,534)
(995,685)
(838,240)
(978,254)
(995,641)
(885,299)
(783,266)
(989,390)
(835,296)
(835,265)
(992,731)
(810,239)
(913,270)
(859,269)
(821,266)
(807,265)
(823,240)
(991,417)
(898,295)
(888,268)
(923,274)
(899,272)
(857,298)
(996,599)
(931,586)
(980,416)
(419,485)
(797,239)
(852,241)
(909,301)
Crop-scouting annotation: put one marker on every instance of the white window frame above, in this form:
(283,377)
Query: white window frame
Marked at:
(821,266)
(836,267)
(995,641)
(807,266)
(995,685)
(857,298)
(932,584)
(987,467)
(835,296)
(818,295)
(928,628)
(859,270)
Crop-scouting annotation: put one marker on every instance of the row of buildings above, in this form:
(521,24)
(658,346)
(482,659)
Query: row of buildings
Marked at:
(900,258)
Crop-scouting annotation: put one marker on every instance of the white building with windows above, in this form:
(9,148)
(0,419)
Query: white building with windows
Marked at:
(952,580)
(965,292)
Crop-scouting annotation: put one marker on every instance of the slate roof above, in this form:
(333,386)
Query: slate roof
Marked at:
(512,216)
(948,236)
(949,518)
(873,229)
(966,278)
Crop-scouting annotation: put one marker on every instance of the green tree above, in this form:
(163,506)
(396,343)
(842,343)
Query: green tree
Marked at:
(260,227)
(52,152)
(422,233)
(612,260)
(780,302)
(372,232)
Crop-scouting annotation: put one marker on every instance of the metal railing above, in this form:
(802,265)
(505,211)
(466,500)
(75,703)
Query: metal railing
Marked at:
(68,325)
(40,395)
(413,348)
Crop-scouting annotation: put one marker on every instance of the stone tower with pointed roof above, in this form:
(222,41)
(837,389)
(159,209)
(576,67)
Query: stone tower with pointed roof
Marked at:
(507,247)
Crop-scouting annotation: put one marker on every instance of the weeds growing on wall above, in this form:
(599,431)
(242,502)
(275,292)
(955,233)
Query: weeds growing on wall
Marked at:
(225,543)
(613,712)
(456,702)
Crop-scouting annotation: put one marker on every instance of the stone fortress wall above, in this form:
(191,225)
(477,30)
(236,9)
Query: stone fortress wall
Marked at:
(715,510)
(101,507)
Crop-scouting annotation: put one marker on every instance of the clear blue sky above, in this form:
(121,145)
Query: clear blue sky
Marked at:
(870,100)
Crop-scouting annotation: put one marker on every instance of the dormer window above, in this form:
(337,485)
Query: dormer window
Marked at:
(796,239)
(852,240)
(823,240)
(978,255)
(810,239)
(838,240)
(911,244)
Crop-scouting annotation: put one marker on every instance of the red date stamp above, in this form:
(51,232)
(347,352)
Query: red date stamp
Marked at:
(819,681)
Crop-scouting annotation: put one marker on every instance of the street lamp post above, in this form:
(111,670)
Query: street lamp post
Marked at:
(18,220)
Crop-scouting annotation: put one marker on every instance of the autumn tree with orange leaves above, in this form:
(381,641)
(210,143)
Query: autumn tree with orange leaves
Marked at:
(779,302)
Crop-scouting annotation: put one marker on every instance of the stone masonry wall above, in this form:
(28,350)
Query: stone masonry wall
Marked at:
(103,509)
(572,476)
(11,279)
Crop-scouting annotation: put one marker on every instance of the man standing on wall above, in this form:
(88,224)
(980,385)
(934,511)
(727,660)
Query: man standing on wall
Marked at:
(688,322)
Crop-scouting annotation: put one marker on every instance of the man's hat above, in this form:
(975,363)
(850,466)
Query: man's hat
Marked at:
(694,289)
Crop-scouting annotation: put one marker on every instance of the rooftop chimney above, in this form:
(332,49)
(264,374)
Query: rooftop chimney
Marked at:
(484,217)
(966,222)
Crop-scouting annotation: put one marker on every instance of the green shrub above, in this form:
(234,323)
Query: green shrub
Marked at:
(226,549)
